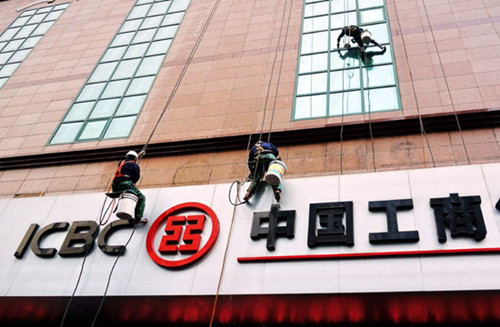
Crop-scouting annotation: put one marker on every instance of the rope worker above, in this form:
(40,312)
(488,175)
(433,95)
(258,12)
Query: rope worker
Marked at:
(360,36)
(259,158)
(126,175)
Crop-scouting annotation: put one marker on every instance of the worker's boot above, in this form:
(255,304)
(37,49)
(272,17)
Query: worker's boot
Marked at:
(277,195)
(247,196)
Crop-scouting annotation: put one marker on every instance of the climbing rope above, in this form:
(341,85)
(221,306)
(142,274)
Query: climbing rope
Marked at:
(171,96)
(420,120)
(122,250)
(214,307)
(447,85)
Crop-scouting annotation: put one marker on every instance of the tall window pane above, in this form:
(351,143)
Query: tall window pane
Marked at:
(335,82)
(17,41)
(112,98)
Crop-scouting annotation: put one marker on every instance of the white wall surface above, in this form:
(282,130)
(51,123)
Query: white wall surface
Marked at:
(137,274)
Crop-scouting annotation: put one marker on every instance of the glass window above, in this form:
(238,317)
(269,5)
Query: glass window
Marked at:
(2,45)
(314,83)
(343,5)
(139,11)
(151,22)
(20,21)
(112,98)
(315,42)
(115,89)
(36,18)
(103,72)
(313,63)
(13,45)
(31,42)
(381,99)
(172,19)
(370,3)
(140,85)
(150,66)
(315,9)
(372,16)
(315,24)
(159,8)
(120,127)
(93,130)
(342,80)
(144,36)
(53,15)
(166,32)
(122,39)
(179,5)
(126,69)
(159,47)
(4,57)
(26,31)
(344,19)
(137,50)
(345,103)
(8,70)
(43,28)
(131,105)
(131,25)
(3,81)
(335,81)
(310,107)
(20,55)
(28,12)
(9,34)
(91,92)
(375,76)
(79,111)
(66,133)
(114,54)
(104,108)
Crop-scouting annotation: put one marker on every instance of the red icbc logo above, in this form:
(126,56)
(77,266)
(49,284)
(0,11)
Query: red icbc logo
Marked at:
(183,241)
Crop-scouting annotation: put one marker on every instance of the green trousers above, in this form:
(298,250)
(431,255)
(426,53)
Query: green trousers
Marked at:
(141,202)
(258,168)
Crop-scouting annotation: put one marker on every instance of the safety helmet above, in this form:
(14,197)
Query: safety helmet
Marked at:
(132,153)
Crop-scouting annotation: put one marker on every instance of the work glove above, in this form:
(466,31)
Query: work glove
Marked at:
(142,153)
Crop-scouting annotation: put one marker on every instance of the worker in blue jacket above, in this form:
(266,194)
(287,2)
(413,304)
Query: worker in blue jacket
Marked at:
(126,175)
(259,158)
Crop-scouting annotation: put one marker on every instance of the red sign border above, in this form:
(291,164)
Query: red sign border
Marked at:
(207,247)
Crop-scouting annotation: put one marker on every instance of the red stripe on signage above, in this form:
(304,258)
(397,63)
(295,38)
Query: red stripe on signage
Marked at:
(366,255)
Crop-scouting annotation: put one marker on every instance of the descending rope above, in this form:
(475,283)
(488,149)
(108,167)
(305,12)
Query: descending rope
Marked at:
(272,73)
(214,307)
(183,72)
(122,250)
(421,123)
(171,96)
(447,85)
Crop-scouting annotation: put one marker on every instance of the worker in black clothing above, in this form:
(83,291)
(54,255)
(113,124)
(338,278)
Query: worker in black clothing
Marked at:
(126,175)
(360,36)
(259,158)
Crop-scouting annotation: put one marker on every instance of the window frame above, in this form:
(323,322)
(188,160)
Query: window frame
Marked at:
(329,111)
(131,78)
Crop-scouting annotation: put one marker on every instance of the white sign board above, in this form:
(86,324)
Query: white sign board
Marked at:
(137,274)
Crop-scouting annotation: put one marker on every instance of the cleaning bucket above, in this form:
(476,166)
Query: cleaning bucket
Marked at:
(126,206)
(366,36)
(275,173)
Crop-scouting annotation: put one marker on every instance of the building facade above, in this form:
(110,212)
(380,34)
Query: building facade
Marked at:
(391,190)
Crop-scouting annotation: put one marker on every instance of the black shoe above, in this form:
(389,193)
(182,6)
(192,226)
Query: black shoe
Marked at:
(247,196)
(277,195)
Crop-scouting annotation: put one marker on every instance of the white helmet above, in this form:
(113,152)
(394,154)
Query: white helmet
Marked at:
(132,153)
